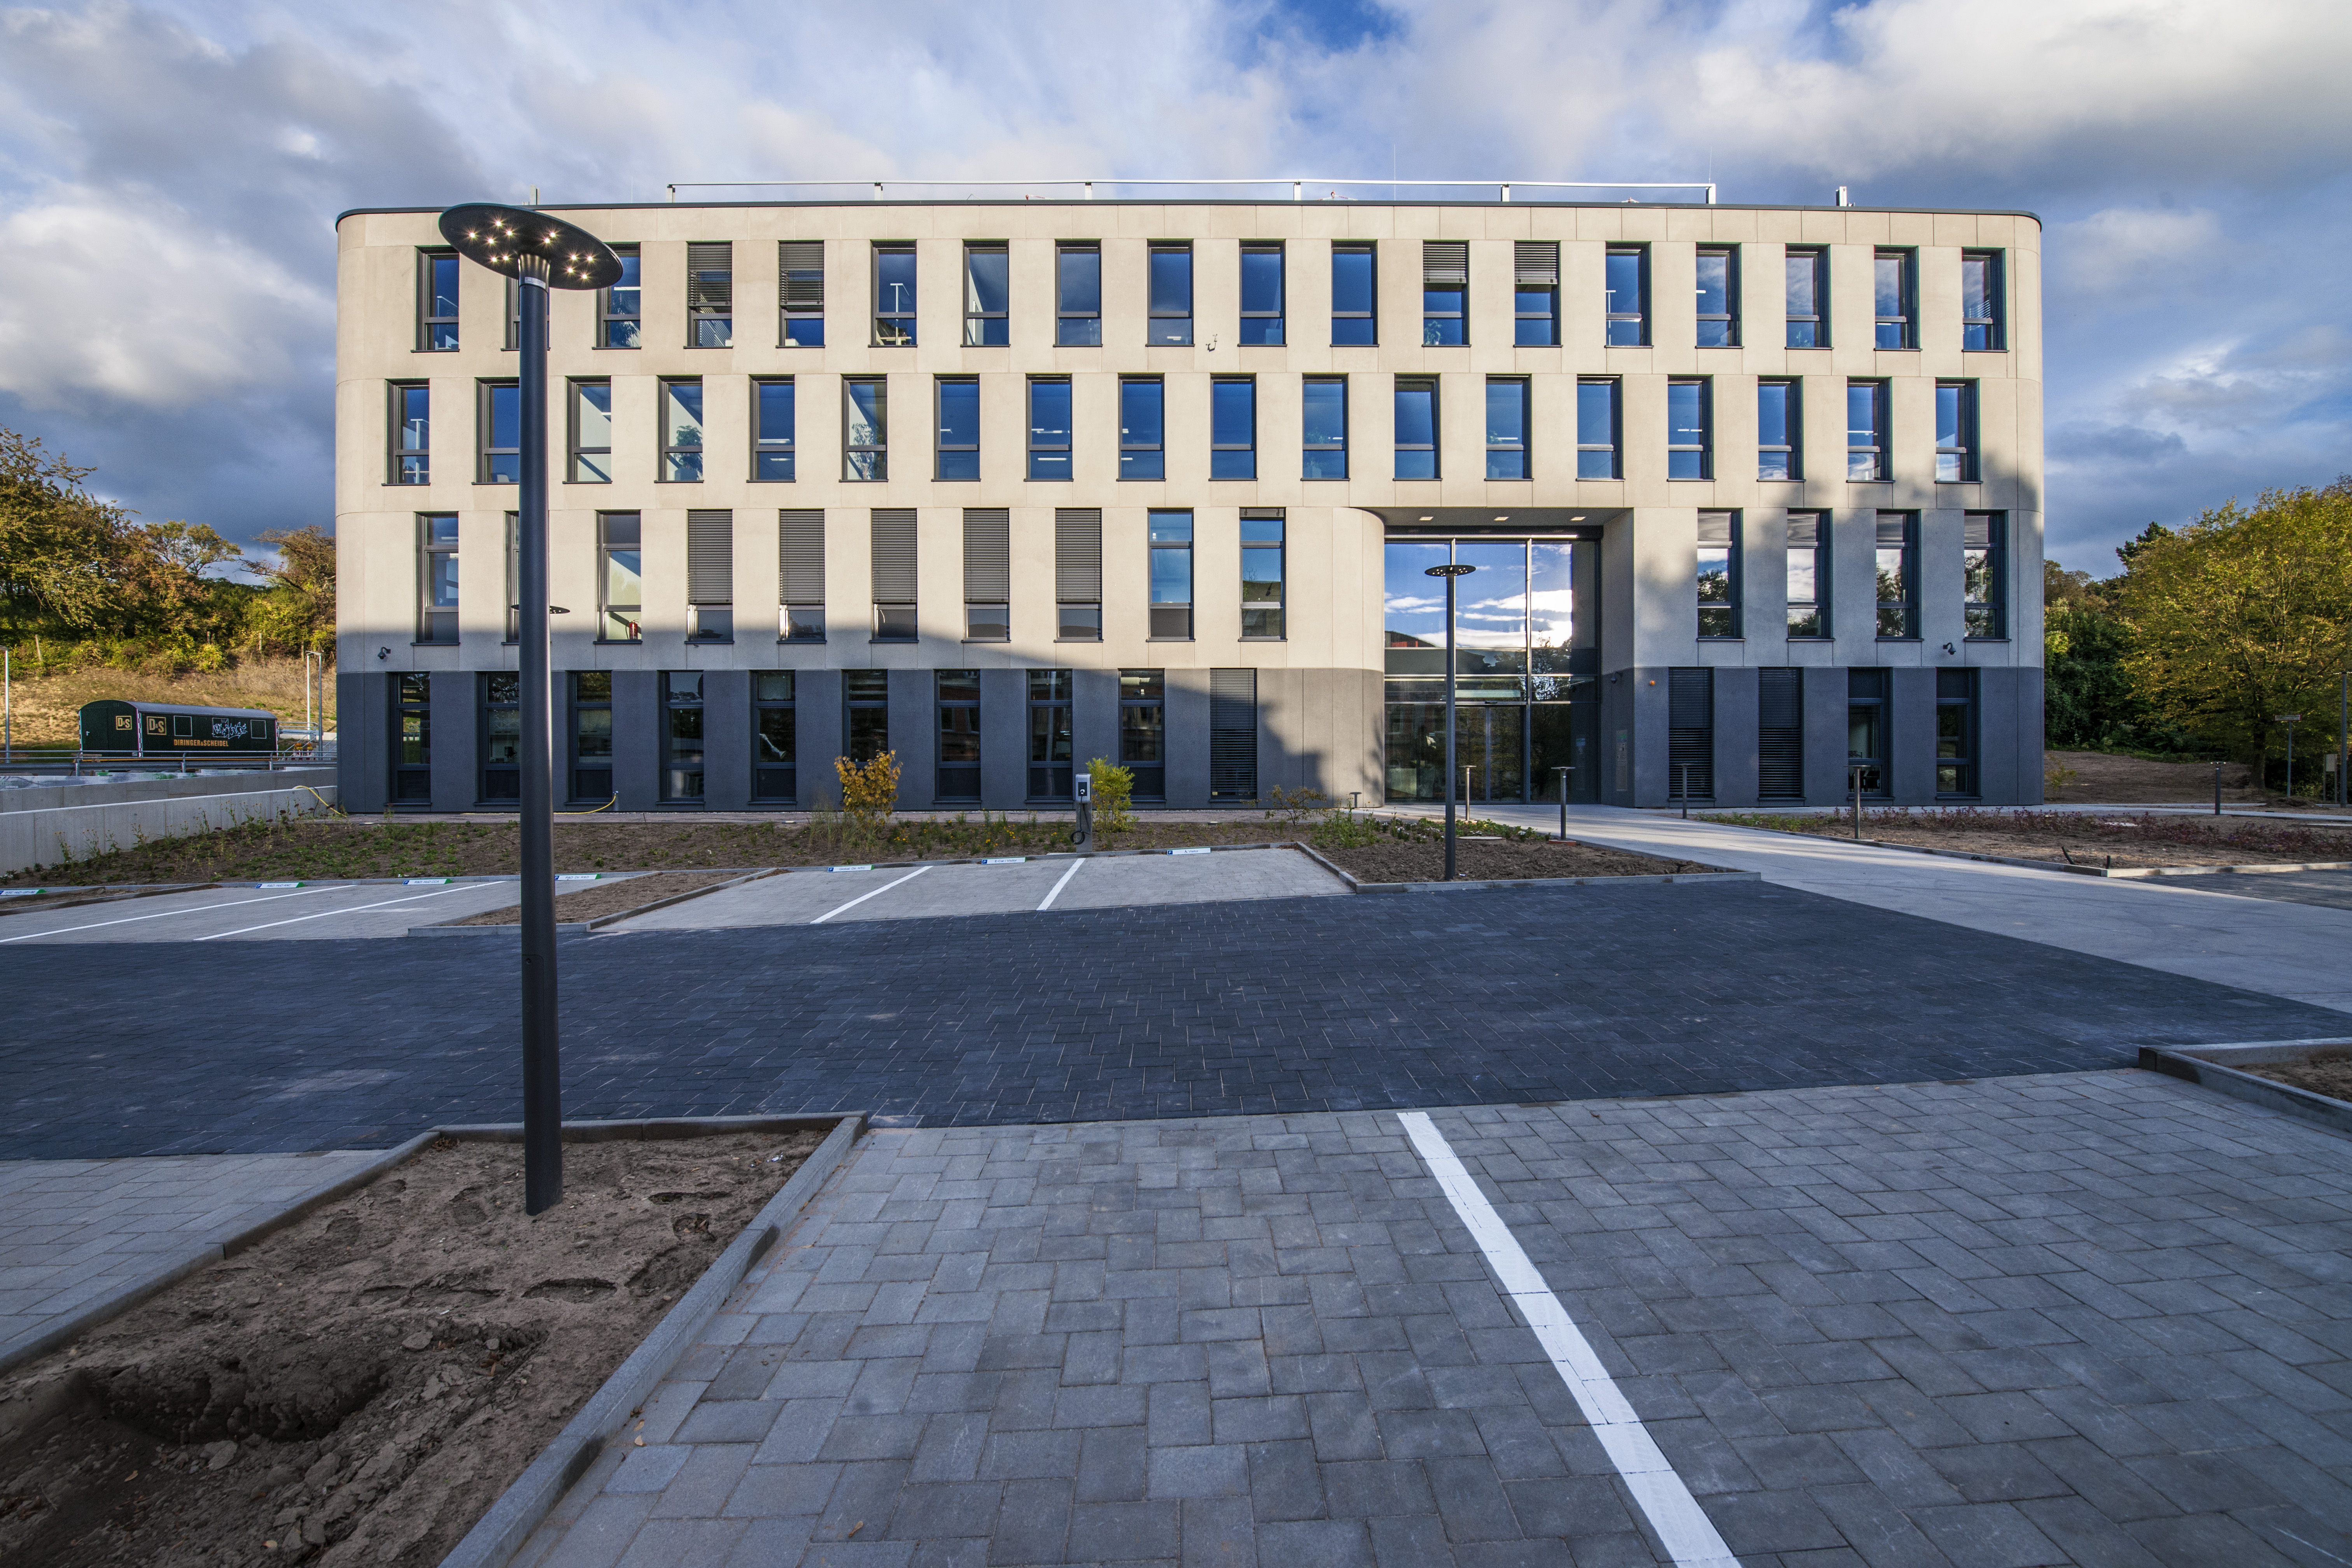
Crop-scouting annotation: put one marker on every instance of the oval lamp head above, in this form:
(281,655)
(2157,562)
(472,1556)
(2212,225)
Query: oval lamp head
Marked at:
(1452,569)
(501,237)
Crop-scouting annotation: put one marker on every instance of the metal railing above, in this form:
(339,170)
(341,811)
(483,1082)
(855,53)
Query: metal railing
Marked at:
(1299,187)
(73,762)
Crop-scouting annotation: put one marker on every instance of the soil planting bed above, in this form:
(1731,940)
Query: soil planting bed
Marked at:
(361,1386)
(608,898)
(2330,1075)
(2123,840)
(1509,860)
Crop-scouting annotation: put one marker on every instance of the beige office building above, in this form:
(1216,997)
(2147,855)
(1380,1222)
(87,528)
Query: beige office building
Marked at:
(1753,494)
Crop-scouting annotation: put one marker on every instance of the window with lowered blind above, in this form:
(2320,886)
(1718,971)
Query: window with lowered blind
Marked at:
(1233,734)
(987,574)
(1078,573)
(1535,299)
(1690,734)
(800,576)
(800,293)
(1780,734)
(710,295)
(894,573)
(1444,292)
(710,576)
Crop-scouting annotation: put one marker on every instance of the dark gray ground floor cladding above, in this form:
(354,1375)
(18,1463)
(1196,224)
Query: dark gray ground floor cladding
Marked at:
(1273,1006)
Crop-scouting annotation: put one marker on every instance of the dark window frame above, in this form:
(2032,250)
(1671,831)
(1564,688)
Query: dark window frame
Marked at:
(896,327)
(1150,689)
(945,733)
(1867,691)
(1879,461)
(1959,455)
(612,322)
(499,692)
(984,328)
(1523,449)
(1626,328)
(672,708)
(1262,337)
(1615,449)
(1434,288)
(409,782)
(1898,618)
(433,618)
(1816,259)
(874,454)
(428,294)
(1957,771)
(579,764)
(1266,532)
(1992,328)
(1154,335)
(1810,536)
(1905,320)
(1140,460)
(1523,286)
(775,460)
(577,454)
(1046,454)
(1793,430)
(1984,614)
(1703,448)
(1418,386)
(405,464)
(1056,732)
(486,457)
(766,770)
(710,320)
(610,527)
(1222,459)
(954,462)
(676,456)
(1078,329)
(864,691)
(1720,620)
(800,295)
(1370,318)
(1307,453)
(1171,620)
(1729,315)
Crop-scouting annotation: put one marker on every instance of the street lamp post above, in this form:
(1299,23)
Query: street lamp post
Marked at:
(539,253)
(2289,721)
(1450,571)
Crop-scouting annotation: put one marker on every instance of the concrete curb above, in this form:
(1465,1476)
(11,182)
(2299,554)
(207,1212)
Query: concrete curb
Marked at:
(21,902)
(1714,874)
(2209,1067)
(499,1533)
(2125,873)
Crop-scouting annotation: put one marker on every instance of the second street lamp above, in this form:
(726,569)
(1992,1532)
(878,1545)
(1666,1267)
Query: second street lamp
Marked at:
(1450,571)
(539,253)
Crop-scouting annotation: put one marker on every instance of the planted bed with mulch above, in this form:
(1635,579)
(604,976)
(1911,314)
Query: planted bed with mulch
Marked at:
(1500,860)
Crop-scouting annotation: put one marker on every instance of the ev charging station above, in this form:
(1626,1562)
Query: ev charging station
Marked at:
(1083,835)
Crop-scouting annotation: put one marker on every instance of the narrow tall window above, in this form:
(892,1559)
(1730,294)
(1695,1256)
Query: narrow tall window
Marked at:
(1808,293)
(958,705)
(1780,734)
(893,296)
(987,574)
(681,432)
(800,293)
(1690,430)
(1171,294)
(1233,734)
(1718,296)
(987,288)
(1143,730)
(1596,431)
(894,577)
(710,576)
(1264,590)
(1049,427)
(1142,428)
(957,453)
(1780,430)
(1078,574)
(1261,290)
(514,315)
(1809,574)
(1536,302)
(1355,295)
(710,295)
(681,736)
(1956,732)
(1898,575)
(436,577)
(1171,573)
(412,740)
(1984,574)
(592,433)
(1325,435)
(1893,287)
(1444,292)
(1956,431)
(1627,279)
(864,427)
(1865,430)
(412,433)
(590,734)
(500,773)
(1690,734)
(436,301)
(1718,574)
(497,422)
(1077,295)
(1866,731)
(1232,427)
(514,576)
(775,416)
(620,580)
(1050,748)
(619,307)
(800,576)
(1507,428)
(1980,300)
(1416,428)
(866,714)
(774,736)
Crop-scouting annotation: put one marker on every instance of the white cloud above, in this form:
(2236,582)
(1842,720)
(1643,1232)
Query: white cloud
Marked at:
(2134,246)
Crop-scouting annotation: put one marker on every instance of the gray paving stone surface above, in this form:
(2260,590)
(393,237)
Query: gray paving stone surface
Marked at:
(2085,1318)
(1263,1006)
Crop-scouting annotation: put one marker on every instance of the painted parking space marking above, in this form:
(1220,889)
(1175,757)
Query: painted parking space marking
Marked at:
(862,897)
(1059,886)
(1683,1527)
(322,914)
(160,914)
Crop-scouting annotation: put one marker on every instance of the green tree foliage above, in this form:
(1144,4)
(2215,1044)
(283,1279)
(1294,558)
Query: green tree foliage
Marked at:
(2242,615)
(2088,701)
(298,609)
(61,547)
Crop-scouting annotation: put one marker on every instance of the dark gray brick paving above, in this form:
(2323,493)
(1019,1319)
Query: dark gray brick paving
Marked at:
(1268,1340)
(1278,1005)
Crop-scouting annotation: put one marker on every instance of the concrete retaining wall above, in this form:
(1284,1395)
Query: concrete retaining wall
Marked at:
(38,827)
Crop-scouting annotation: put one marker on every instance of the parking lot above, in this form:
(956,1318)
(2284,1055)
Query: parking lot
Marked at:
(324,911)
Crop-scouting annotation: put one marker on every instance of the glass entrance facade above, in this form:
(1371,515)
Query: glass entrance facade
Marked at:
(1526,668)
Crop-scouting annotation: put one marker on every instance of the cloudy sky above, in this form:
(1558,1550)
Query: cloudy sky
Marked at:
(169,174)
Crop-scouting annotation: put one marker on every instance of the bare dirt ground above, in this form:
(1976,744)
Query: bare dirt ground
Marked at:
(602,899)
(2125,839)
(2330,1075)
(2104,780)
(1480,860)
(361,1386)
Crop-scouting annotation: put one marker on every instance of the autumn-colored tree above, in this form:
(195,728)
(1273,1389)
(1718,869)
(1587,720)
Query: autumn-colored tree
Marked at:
(164,591)
(298,610)
(2242,615)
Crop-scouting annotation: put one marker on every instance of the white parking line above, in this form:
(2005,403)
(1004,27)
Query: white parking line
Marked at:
(1059,886)
(1683,1527)
(322,914)
(862,897)
(126,919)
